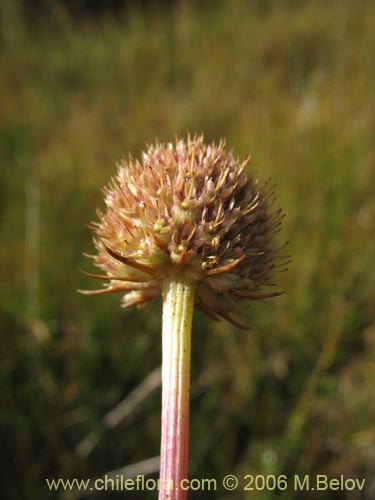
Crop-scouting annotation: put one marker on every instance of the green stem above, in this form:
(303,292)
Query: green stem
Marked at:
(178,306)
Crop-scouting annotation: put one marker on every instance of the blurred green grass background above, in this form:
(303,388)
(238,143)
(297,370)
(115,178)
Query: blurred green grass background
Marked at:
(292,83)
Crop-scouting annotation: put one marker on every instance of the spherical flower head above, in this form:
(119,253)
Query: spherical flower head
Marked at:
(192,211)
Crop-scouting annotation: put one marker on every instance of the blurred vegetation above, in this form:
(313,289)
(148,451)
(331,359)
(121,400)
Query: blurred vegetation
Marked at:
(291,82)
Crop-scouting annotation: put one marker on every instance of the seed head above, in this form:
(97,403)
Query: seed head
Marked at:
(187,209)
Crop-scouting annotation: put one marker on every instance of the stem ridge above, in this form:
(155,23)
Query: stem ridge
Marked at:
(178,304)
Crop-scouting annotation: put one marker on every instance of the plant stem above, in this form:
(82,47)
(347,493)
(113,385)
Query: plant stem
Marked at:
(178,306)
